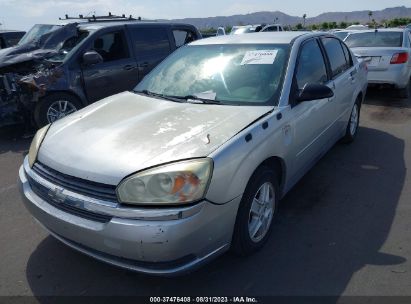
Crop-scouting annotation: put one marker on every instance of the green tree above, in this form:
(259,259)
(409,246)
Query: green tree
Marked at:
(324,25)
(314,27)
(343,25)
(332,25)
(299,26)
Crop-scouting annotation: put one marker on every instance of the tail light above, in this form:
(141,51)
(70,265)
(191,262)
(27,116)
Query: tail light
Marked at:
(399,58)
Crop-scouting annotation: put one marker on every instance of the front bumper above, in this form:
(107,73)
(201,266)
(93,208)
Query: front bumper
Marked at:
(156,245)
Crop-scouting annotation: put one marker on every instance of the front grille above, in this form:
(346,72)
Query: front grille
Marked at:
(77,185)
(68,205)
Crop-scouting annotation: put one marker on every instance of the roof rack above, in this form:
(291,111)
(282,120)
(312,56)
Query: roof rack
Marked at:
(109,17)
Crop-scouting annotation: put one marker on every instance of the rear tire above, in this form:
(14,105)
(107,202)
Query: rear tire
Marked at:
(353,123)
(256,213)
(55,106)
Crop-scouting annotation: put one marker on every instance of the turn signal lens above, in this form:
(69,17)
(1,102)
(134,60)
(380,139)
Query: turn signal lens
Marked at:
(35,144)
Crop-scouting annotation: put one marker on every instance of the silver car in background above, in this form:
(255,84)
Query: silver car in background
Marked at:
(387,53)
(195,160)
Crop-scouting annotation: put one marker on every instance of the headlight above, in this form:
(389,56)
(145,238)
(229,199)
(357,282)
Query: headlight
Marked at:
(176,183)
(35,144)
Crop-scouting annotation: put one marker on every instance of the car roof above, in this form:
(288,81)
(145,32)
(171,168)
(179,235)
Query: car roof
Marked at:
(255,38)
(99,25)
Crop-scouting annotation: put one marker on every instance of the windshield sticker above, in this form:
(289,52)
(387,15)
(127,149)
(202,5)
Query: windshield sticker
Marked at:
(259,57)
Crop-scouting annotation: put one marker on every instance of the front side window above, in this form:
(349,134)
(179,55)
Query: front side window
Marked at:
(151,41)
(335,55)
(271,29)
(230,74)
(69,46)
(375,39)
(311,67)
(111,46)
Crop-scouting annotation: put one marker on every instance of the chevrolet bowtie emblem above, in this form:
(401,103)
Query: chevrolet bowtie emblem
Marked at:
(57,195)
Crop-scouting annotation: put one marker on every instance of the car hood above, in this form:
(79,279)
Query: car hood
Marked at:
(127,132)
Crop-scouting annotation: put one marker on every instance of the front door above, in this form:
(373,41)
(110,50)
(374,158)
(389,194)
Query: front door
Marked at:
(312,119)
(117,73)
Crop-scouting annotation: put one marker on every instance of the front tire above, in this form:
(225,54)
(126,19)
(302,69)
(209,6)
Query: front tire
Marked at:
(54,107)
(257,212)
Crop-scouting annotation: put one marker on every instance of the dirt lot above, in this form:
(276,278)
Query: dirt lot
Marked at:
(345,229)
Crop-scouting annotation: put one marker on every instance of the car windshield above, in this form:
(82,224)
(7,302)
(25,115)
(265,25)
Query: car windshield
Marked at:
(68,46)
(227,74)
(38,30)
(375,39)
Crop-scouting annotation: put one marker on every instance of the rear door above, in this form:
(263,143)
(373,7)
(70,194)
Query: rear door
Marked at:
(151,44)
(118,71)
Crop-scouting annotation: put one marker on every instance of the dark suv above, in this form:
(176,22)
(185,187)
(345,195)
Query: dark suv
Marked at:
(93,61)
(9,38)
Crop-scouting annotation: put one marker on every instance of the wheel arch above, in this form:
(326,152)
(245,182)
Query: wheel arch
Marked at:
(278,165)
(82,100)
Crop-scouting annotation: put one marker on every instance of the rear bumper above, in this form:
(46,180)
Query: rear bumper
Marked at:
(157,247)
(397,75)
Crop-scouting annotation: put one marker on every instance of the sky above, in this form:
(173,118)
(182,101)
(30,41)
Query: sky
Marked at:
(22,14)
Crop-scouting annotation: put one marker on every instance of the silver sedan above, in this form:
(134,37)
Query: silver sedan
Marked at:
(387,53)
(194,161)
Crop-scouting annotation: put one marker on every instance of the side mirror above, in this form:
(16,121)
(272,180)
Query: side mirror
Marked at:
(314,91)
(92,57)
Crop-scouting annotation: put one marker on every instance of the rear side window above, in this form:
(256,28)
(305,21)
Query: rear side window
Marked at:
(151,41)
(182,37)
(375,39)
(311,67)
(335,55)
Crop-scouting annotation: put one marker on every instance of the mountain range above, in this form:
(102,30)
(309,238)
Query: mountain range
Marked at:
(280,17)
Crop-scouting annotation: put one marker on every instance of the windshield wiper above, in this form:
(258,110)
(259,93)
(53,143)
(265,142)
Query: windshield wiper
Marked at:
(198,99)
(162,96)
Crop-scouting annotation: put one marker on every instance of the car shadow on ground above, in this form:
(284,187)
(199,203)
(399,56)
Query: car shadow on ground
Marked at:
(386,97)
(11,140)
(333,223)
